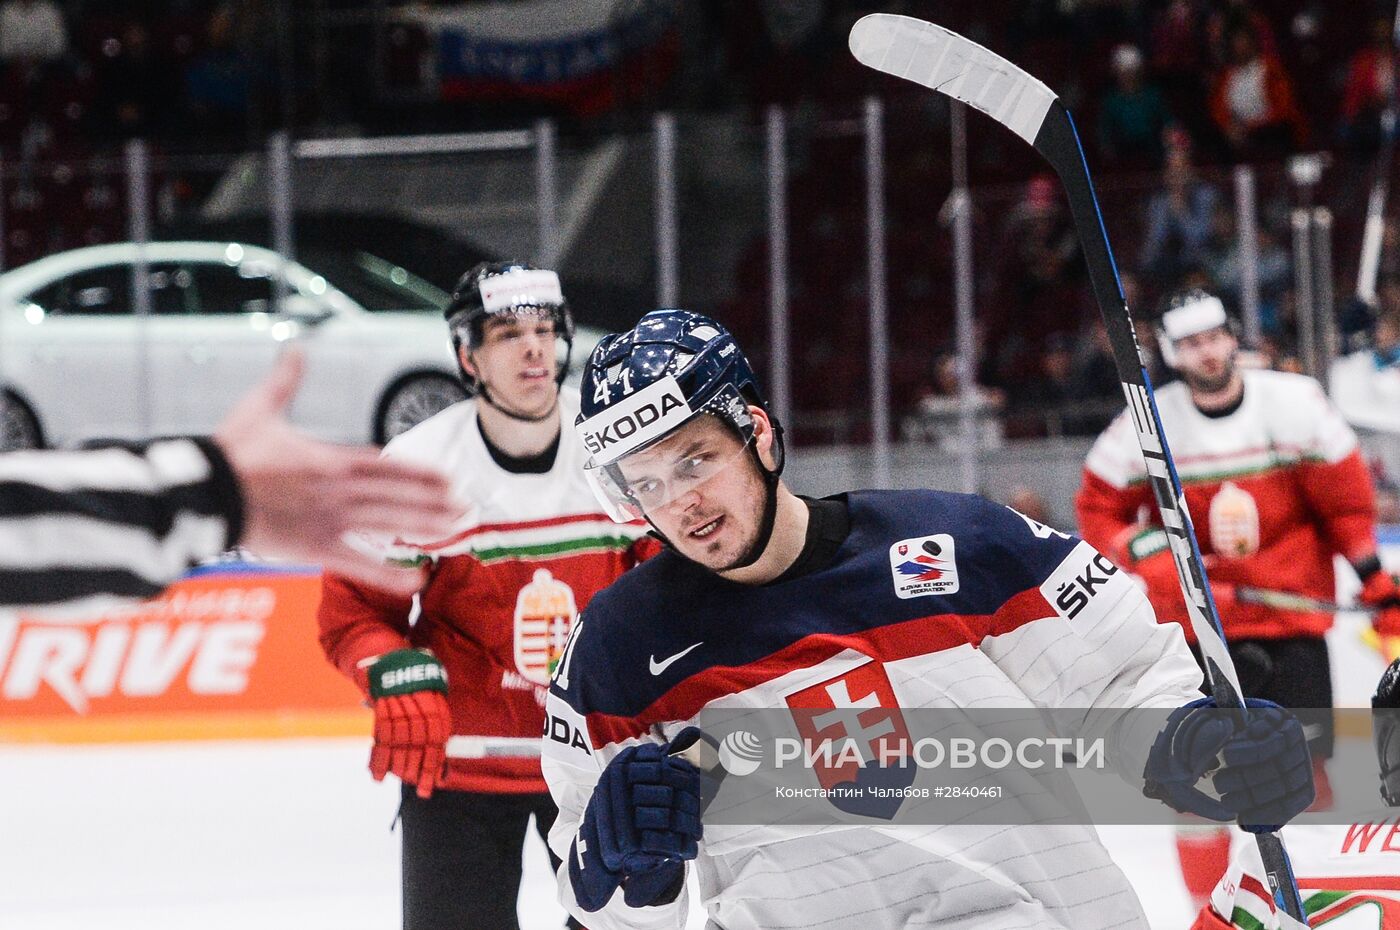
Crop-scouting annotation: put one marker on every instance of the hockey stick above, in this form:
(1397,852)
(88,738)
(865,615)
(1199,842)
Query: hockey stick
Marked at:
(1387,646)
(1287,600)
(950,64)
(494,747)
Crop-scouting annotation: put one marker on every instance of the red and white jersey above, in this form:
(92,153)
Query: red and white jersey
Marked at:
(504,589)
(1275,488)
(1348,874)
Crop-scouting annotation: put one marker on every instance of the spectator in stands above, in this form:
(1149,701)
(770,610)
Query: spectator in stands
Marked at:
(1179,215)
(1095,373)
(1252,102)
(1221,248)
(1177,56)
(1075,392)
(1044,261)
(1132,116)
(1224,18)
(135,87)
(219,81)
(1051,388)
(937,412)
(1273,268)
(32,31)
(1370,84)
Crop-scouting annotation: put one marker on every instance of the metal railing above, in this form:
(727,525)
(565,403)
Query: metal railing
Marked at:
(782,155)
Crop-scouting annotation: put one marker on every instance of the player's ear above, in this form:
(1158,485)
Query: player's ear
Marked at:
(763,436)
(464,356)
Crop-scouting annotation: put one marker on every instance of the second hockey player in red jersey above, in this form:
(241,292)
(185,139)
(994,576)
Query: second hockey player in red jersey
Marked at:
(1276,487)
(502,592)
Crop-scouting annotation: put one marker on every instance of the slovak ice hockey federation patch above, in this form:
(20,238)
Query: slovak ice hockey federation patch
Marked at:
(924,565)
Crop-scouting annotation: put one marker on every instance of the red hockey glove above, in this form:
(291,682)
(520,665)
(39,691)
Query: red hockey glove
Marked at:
(1380,590)
(408,688)
(1207,919)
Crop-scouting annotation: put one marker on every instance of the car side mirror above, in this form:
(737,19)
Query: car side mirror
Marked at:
(305,310)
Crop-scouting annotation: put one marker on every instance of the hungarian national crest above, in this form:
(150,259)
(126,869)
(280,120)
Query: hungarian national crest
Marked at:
(544,614)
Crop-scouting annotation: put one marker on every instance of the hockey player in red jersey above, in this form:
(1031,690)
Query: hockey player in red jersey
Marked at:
(1276,487)
(870,602)
(502,592)
(1348,874)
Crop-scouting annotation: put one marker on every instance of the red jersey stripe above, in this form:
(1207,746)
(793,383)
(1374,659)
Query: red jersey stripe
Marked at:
(920,636)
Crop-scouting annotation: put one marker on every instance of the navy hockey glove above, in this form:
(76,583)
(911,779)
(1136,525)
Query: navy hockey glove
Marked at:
(1259,765)
(640,827)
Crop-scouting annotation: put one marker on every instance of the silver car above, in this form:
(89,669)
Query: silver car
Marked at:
(78,362)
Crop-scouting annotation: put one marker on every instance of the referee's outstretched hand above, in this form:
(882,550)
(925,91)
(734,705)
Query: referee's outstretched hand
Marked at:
(301,495)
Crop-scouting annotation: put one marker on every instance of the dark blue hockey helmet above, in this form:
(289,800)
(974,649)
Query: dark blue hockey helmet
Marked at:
(642,385)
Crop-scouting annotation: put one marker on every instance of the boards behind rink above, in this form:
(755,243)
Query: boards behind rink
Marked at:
(218,836)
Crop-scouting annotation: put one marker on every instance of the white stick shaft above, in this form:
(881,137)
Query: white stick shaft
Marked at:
(494,747)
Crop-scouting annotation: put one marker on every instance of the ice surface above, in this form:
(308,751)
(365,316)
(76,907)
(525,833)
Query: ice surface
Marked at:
(295,834)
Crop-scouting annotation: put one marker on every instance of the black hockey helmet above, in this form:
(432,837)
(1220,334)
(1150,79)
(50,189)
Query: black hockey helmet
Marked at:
(1386,727)
(508,288)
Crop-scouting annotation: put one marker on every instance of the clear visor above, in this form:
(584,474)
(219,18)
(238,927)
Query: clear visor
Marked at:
(649,479)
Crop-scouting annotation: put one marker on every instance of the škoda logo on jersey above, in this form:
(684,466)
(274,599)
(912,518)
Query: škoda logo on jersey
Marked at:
(924,565)
(1085,581)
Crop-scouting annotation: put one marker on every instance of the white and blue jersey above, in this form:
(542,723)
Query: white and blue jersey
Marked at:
(930,600)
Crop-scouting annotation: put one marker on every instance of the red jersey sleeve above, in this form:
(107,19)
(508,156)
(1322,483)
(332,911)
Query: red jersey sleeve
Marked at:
(1343,497)
(1111,520)
(1207,919)
(643,548)
(1106,513)
(358,622)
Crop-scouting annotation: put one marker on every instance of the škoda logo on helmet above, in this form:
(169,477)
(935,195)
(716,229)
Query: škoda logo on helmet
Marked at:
(651,412)
(626,427)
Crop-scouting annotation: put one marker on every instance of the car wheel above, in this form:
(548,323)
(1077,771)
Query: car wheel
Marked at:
(19,428)
(412,400)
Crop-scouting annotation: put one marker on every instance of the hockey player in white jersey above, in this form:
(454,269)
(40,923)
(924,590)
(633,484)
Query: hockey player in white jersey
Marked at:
(914,599)
(1348,873)
(471,653)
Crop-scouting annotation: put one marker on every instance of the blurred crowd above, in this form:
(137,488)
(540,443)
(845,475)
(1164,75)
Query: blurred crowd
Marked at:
(1170,95)
(78,76)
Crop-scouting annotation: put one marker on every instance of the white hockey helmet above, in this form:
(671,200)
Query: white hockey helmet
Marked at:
(1190,313)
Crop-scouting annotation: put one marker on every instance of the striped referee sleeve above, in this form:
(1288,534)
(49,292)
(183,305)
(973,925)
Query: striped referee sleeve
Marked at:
(121,520)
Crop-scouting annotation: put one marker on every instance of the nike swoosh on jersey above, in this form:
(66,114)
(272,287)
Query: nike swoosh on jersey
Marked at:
(658,667)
